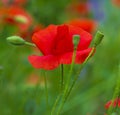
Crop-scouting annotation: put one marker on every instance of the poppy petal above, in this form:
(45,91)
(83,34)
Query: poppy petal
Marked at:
(85,37)
(44,62)
(63,42)
(80,57)
(44,39)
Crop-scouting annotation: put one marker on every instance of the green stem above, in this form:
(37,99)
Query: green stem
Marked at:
(62,78)
(81,67)
(61,89)
(68,91)
(46,91)
(30,44)
(67,83)
(55,104)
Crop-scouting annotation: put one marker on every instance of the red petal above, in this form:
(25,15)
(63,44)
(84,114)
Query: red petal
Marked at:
(63,42)
(118,102)
(44,62)
(85,37)
(80,57)
(107,105)
(44,39)
(66,58)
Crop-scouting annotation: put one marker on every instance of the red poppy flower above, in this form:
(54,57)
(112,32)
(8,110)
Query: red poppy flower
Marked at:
(55,42)
(86,24)
(16,16)
(13,2)
(116,102)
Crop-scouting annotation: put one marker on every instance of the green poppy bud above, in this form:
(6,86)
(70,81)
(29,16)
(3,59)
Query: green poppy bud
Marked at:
(76,39)
(16,40)
(21,19)
(98,38)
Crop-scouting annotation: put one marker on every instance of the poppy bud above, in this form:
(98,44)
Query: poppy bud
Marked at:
(21,19)
(98,38)
(76,39)
(16,40)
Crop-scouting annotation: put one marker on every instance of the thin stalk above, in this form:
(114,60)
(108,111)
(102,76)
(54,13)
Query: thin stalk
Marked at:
(68,91)
(61,89)
(62,79)
(55,104)
(81,67)
(30,44)
(67,84)
(46,91)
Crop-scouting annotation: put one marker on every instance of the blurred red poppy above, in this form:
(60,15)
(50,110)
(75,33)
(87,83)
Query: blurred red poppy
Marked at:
(86,24)
(55,42)
(116,2)
(116,102)
(16,16)
(81,8)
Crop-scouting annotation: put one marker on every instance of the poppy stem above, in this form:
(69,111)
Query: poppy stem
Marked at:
(67,84)
(81,67)
(74,81)
(61,89)
(62,78)
(97,40)
(116,95)
(46,91)
(55,104)
(30,44)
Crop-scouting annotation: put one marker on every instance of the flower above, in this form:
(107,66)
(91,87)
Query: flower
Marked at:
(116,102)
(55,43)
(16,16)
(86,24)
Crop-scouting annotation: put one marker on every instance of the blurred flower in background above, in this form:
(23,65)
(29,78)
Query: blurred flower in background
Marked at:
(88,25)
(34,80)
(16,16)
(78,8)
(115,102)
(116,3)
